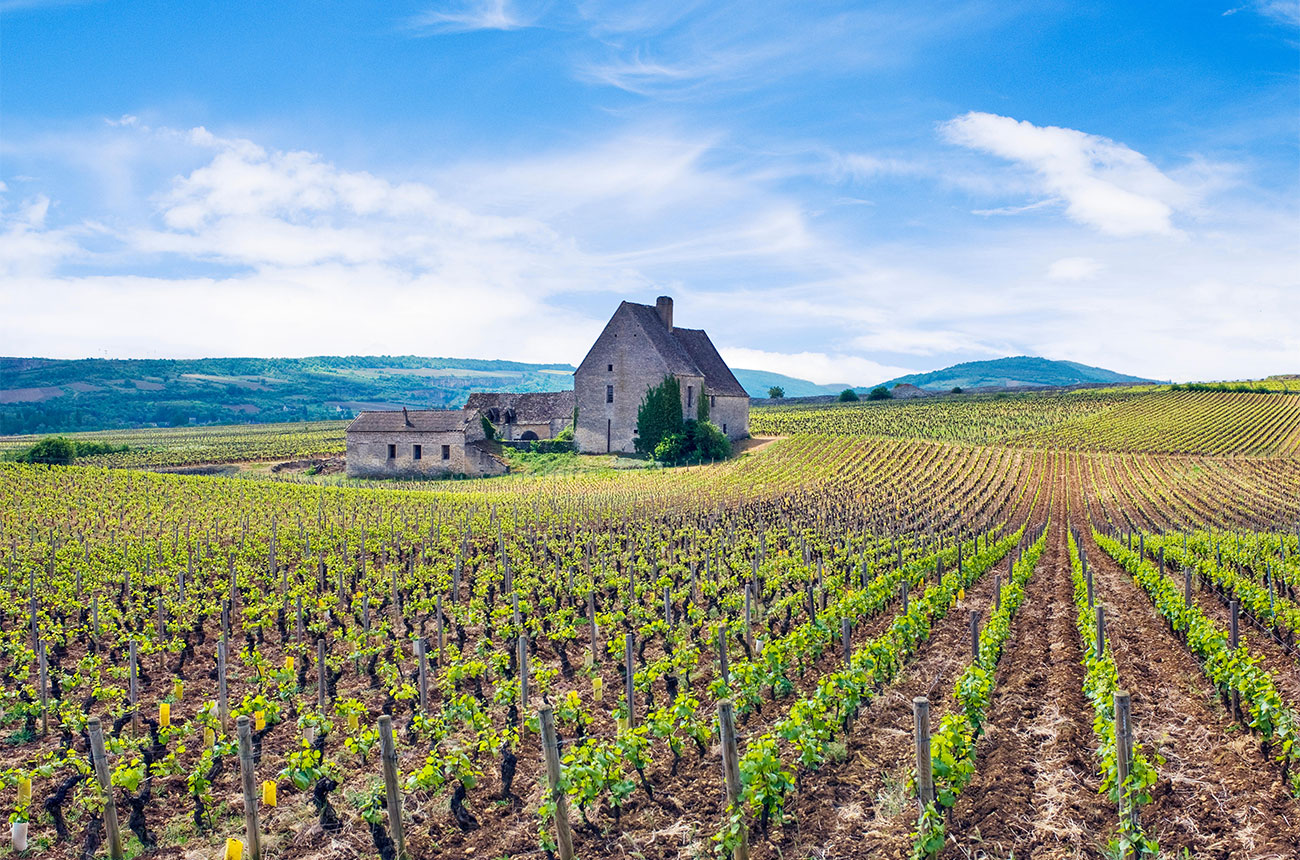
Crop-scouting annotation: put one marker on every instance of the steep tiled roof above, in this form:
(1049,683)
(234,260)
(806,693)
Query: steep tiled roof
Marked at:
(662,340)
(718,378)
(533,408)
(424,420)
(684,351)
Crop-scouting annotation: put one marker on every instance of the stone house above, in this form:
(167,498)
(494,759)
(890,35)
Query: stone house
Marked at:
(524,417)
(430,443)
(638,348)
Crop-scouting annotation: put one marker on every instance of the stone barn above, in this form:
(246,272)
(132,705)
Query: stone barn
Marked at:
(638,348)
(431,443)
(523,417)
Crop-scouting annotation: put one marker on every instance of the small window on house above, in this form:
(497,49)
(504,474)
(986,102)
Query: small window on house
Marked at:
(417,452)
(609,394)
(446,452)
(392,452)
(690,396)
(713,400)
(724,429)
(611,368)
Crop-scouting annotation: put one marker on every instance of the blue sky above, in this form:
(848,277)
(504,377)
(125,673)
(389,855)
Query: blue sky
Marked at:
(838,191)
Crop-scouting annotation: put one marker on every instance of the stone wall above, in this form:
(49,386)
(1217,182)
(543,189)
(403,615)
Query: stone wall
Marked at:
(732,415)
(367,455)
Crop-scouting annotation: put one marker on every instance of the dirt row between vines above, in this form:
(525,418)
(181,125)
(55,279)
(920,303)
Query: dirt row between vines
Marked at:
(858,806)
(1218,795)
(1035,791)
(1272,654)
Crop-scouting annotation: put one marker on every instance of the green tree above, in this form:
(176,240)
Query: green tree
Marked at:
(56,450)
(776,392)
(659,415)
(702,408)
(848,395)
(880,392)
(709,443)
(956,389)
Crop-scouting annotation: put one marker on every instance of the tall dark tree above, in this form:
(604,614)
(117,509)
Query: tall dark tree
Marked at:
(659,415)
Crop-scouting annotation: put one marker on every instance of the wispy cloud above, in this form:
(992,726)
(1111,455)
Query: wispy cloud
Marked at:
(1105,184)
(464,16)
(1074,269)
(250,249)
(1284,11)
(7,6)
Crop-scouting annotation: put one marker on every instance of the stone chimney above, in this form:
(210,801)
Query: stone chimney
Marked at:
(664,304)
(406,419)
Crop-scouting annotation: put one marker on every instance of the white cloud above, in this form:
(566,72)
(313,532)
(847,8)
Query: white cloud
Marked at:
(464,16)
(819,367)
(258,251)
(1074,269)
(1284,11)
(1105,184)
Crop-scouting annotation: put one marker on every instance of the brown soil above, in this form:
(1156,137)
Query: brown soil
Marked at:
(1274,655)
(858,807)
(1035,793)
(1218,795)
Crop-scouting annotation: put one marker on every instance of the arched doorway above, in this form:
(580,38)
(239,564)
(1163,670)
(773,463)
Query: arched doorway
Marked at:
(528,436)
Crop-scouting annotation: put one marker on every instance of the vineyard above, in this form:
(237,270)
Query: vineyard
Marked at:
(1155,421)
(882,636)
(153,448)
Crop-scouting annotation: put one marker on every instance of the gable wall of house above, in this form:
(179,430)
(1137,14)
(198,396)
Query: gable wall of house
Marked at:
(624,346)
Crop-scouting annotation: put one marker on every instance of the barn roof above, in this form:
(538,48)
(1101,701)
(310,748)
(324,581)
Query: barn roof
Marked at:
(533,408)
(423,420)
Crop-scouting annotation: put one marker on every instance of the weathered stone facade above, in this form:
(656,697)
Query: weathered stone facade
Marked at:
(516,416)
(638,348)
(426,443)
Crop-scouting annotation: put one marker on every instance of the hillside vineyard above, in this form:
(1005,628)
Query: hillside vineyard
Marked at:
(1086,631)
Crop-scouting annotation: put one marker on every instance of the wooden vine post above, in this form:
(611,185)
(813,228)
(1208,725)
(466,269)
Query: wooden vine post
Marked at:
(45,685)
(1100,646)
(133,689)
(731,771)
(99,760)
(1234,641)
(1124,750)
(724,668)
(392,791)
(223,690)
(422,660)
(924,769)
(522,659)
(248,780)
(559,801)
(975,634)
(591,626)
(630,690)
(322,682)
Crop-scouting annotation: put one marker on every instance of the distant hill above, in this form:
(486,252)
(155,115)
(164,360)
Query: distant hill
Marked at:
(40,395)
(757,382)
(1019,371)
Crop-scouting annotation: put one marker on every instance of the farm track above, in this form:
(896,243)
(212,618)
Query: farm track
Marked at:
(1035,790)
(1218,795)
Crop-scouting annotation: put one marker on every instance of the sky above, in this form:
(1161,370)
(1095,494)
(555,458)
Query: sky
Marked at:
(841,192)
